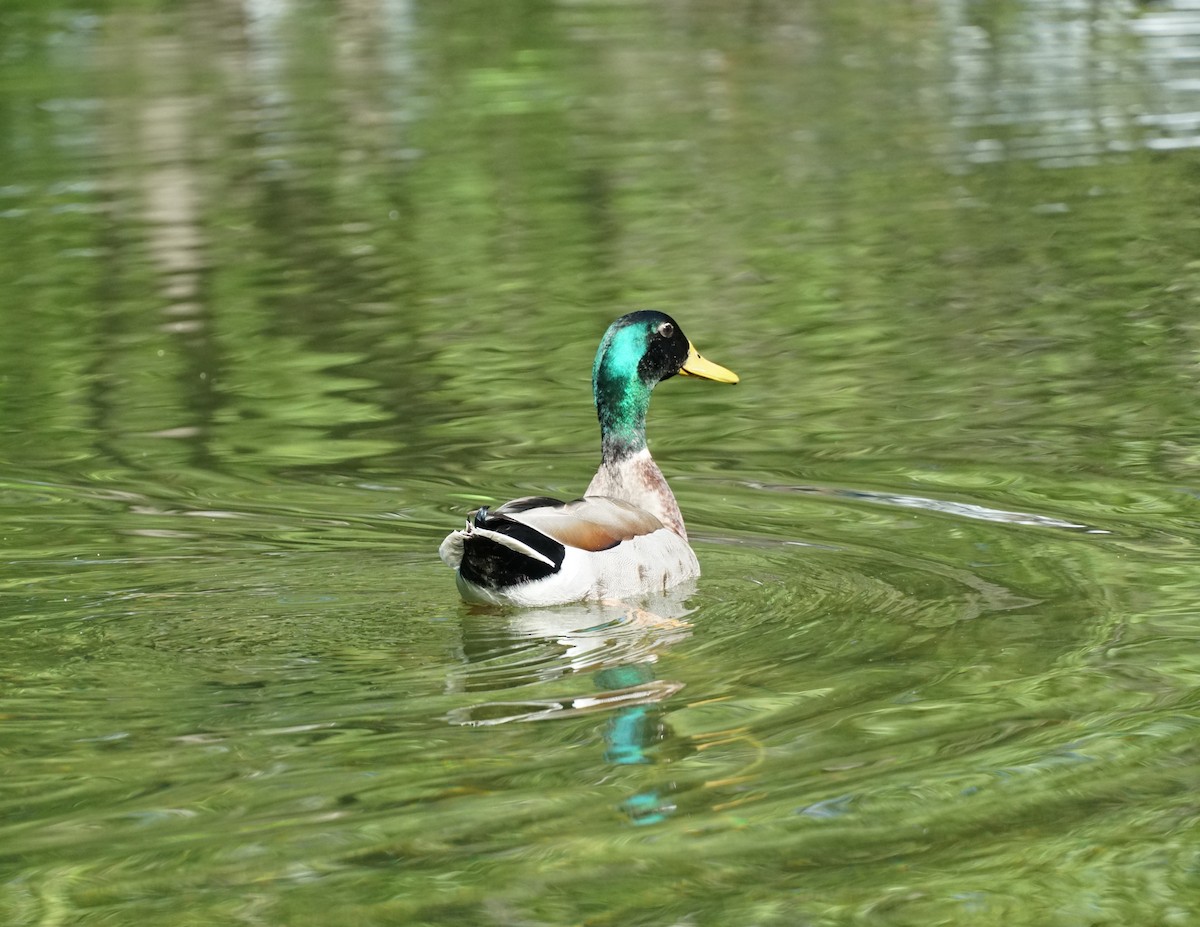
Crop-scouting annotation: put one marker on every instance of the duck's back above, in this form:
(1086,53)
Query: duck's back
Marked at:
(545,552)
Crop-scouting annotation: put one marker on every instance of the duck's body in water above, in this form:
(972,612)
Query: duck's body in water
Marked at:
(626,535)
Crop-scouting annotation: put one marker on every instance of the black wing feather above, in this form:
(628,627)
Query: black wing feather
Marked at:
(491,565)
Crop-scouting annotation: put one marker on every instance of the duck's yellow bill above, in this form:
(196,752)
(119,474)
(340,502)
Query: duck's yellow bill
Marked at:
(697,366)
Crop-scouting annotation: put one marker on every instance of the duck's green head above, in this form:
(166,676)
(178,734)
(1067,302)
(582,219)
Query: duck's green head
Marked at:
(638,351)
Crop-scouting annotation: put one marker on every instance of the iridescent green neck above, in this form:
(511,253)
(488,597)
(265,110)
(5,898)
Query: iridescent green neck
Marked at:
(622,397)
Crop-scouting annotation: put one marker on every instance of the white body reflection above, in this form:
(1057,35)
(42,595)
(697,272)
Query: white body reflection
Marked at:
(618,642)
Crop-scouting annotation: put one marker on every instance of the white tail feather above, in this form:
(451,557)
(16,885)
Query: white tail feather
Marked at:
(509,542)
(451,550)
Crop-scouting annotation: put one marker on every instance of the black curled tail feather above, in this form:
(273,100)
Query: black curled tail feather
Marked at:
(490,564)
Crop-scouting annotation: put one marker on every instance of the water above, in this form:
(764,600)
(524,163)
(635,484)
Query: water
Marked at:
(288,288)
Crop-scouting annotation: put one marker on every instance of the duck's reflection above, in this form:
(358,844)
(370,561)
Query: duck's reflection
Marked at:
(614,645)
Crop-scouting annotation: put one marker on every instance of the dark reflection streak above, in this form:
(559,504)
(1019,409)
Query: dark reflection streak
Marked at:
(104,371)
(109,331)
(595,191)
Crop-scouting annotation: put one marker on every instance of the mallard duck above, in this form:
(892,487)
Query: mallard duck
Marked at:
(625,536)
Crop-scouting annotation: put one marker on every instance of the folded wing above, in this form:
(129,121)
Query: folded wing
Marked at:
(527,539)
(593,523)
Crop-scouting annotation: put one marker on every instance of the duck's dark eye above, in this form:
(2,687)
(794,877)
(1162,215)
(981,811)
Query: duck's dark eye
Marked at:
(666,330)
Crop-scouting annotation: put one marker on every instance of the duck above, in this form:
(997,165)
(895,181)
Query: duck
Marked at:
(625,536)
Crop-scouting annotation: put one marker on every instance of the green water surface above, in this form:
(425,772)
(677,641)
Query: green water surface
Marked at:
(288,287)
